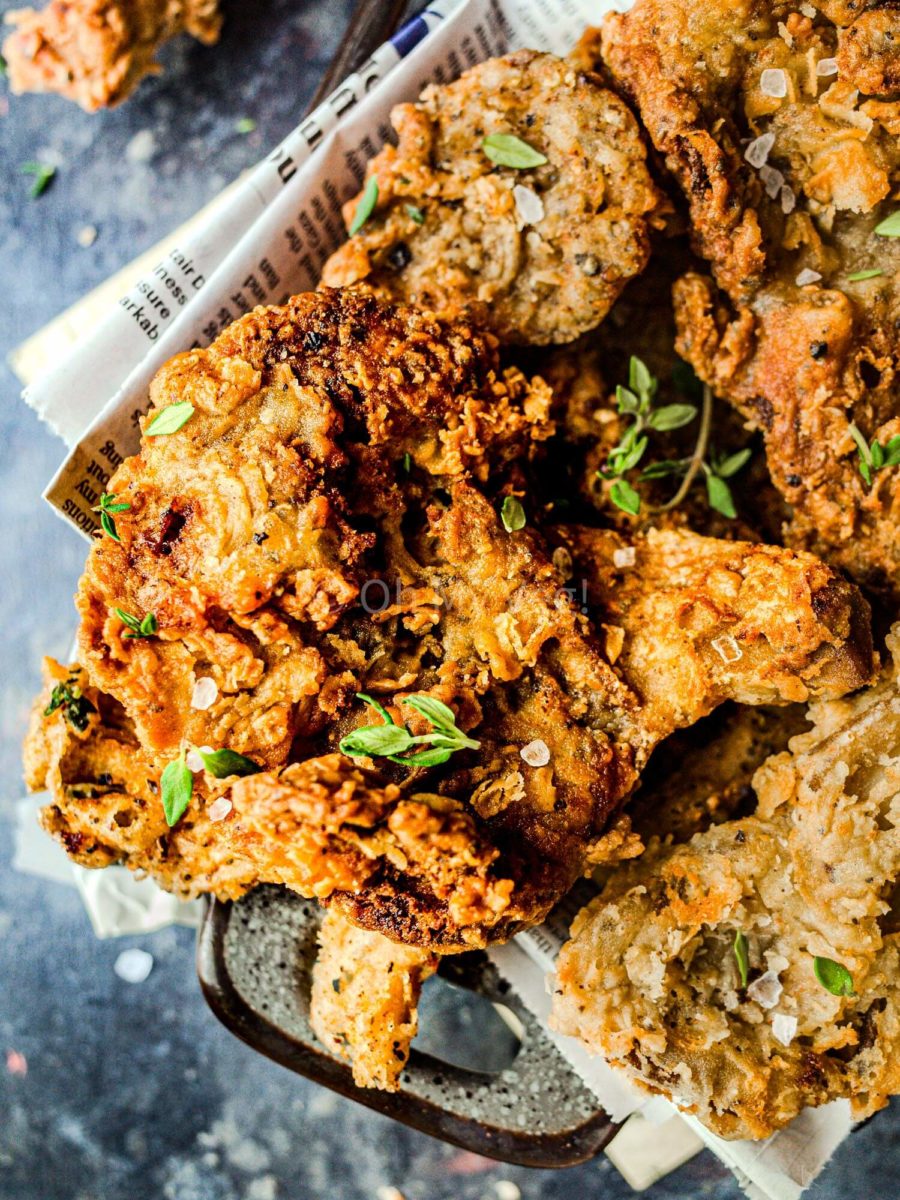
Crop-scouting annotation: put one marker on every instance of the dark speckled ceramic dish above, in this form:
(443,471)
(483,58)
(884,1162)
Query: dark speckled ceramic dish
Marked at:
(255,960)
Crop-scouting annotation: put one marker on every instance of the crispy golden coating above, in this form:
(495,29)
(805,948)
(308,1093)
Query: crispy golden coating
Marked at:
(650,978)
(536,255)
(96,52)
(364,996)
(691,622)
(785,193)
(254,535)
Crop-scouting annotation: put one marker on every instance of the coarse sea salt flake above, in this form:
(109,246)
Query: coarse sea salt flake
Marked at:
(773,82)
(783,1028)
(529,205)
(507,1190)
(766,990)
(192,759)
(827,66)
(205,693)
(624,556)
(219,809)
(536,753)
(788,199)
(133,965)
(808,11)
(772,180)
(807,276)
(727,649)
(759,149)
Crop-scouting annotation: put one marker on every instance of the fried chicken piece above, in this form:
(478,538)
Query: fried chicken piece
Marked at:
(364,995)
(651,980)
(96,52)
(252,535)
(785,194)
(691,622)
(537,254)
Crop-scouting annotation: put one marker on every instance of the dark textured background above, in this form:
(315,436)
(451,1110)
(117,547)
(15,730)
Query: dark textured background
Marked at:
(135,1092)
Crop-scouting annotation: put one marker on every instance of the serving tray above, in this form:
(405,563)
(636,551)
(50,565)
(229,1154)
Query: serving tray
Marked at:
(255,959)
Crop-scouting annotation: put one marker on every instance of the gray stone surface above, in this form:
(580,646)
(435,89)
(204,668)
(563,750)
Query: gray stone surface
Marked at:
(133,1092)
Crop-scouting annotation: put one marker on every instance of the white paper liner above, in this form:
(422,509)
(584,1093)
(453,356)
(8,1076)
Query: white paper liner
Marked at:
(267,241)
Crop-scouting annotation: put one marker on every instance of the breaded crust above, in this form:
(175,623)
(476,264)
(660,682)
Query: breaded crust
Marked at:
(651,980)
(536,255)
(364,996)
(96,52)
(785,193)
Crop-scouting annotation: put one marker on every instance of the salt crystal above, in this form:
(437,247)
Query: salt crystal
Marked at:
(783,1028)
(788,199)
(133,965)
(219,809)
(827,66)
(529,205)
(86,236)
(766,990)
(388,1193)
(807,276)
(624,556)
(507,1190)
(204,694)
(727,649)
(808,11)
(758,150)
(536,753)
(16,1063)
(193,761)
(773,82)
(772,180)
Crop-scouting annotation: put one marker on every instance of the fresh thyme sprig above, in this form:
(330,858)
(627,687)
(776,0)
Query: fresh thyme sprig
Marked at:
(42,173)
(391,740)
(144,628)
(875,456)
(107,506)
(636,401)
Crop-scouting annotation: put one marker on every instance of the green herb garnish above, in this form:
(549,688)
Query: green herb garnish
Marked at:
(225,763)
(76,707)
(391,740)
(512,514)
(858,275)
(833,976)
(366,205)
(890,226)
(244,125)
(42,172)
(875,456)
(636,401)
(138,629)
(507,150)
(106,508)
(177,789)
(415,214)
(741,956)
(406,462)
(170,419)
